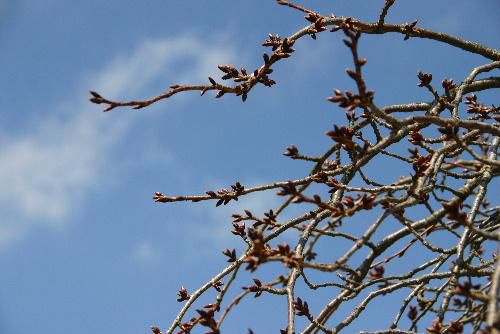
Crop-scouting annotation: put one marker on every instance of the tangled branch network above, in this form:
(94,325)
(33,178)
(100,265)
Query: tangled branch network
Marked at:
(439,203)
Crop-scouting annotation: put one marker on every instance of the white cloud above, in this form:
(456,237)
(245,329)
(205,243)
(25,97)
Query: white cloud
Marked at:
(214,223)
(209,227)
(310,58)
(47,171)
(145,252)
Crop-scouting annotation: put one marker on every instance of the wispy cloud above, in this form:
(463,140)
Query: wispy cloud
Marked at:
(146,252)
(310,58)
(212,225)
(209,227)
(49,169)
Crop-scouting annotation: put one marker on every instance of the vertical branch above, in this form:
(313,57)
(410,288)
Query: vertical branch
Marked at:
(383,14)
(493,318)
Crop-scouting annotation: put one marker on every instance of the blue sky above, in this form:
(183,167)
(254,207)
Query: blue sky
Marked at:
(82,245)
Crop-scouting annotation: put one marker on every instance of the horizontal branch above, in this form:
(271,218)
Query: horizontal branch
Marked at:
(284,51)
